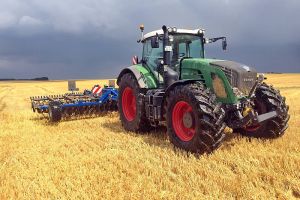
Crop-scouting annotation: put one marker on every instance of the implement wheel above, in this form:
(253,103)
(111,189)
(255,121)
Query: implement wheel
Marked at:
(55,111)
(268,99)
(194,121)
(131,105)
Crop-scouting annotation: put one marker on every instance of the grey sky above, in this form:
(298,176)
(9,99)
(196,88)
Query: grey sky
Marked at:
(96,38)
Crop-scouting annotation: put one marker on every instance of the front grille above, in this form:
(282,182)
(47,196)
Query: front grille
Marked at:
(237,75)
(231,76)
(247,82)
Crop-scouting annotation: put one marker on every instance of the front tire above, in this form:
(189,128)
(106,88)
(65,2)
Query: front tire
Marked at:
(268,99)
(131,105)
(194,121)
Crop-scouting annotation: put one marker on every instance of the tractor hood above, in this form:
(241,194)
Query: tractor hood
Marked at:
(239,75)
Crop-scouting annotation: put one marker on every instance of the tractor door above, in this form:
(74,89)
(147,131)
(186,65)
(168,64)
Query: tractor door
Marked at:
(152,58)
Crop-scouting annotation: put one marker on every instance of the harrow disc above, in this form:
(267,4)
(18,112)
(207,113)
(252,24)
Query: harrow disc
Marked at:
(72,105)
(55,111)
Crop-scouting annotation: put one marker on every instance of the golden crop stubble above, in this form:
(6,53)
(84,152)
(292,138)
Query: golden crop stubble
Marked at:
(96,158)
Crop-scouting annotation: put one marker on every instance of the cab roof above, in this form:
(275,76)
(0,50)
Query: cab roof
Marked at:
(174,30)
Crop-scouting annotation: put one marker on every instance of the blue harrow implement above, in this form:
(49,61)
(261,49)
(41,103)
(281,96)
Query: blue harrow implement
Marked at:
(88,103)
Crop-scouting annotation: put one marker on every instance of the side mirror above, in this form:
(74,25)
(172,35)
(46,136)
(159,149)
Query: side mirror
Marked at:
(224,44)
(154,42)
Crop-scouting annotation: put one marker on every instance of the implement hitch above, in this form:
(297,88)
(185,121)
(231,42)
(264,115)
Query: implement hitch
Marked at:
(254,118)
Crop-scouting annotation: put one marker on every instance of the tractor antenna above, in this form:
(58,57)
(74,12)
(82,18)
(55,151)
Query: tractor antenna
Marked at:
(142,31)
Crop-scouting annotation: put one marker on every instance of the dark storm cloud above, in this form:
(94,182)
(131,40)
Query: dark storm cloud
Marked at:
(95,39)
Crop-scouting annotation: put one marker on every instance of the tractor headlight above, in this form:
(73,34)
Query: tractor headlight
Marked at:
(201,31)
(261,78)
(172,29)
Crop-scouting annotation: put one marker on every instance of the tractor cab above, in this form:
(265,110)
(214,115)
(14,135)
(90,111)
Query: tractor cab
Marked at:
(180,44)
(183,44)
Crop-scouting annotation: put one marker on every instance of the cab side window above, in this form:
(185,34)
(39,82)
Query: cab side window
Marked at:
(152,56)
(196,49)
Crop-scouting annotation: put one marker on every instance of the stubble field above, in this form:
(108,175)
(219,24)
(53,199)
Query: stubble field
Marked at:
(96,159)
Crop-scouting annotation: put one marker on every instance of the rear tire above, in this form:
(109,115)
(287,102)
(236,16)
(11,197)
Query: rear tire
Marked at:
(194,121)
(55,111)
(131,105)
(268,99)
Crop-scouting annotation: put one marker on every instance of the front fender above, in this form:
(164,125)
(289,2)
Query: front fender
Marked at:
(181,82)
(144,78)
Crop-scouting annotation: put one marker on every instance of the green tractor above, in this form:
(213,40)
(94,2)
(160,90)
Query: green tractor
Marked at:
(196,97)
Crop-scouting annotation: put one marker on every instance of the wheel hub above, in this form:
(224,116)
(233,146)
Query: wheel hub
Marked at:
(183,121)
(188,120)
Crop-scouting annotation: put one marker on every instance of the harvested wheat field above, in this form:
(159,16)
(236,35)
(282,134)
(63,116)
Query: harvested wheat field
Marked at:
(96,159)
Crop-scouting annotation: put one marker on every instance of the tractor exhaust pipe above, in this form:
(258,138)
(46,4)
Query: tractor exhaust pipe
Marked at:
(166,47)
(169,75)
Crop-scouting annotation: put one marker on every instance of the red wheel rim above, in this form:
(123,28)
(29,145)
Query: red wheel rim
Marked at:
(129,104)
(252,128)
(183,133)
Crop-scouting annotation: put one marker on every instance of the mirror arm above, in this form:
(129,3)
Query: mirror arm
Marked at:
(216,39)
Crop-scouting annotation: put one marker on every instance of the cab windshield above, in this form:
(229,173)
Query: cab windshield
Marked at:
(183,45)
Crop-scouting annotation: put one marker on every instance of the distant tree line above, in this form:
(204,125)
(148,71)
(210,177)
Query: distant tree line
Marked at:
(34,79)
(273,73)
